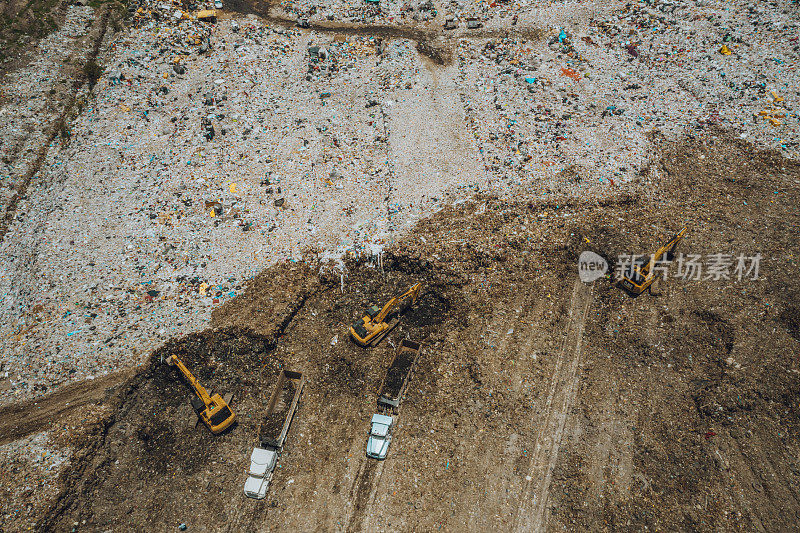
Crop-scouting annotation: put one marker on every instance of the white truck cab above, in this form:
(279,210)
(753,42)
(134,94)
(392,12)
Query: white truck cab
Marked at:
(380,436)
(262,463)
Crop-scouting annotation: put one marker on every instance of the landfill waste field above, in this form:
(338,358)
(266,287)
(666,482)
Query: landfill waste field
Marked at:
(399,266)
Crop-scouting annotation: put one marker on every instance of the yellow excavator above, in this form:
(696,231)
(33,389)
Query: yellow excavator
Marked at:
(377,322)
(212,410)
(641,274)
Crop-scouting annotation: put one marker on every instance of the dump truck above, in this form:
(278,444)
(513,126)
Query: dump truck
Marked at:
(272,433)
(389,396)
(380,436)
(281,408)
(397,377)
(262,464)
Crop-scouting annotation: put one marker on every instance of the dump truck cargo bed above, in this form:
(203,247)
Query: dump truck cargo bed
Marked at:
(281,408)
(397,377)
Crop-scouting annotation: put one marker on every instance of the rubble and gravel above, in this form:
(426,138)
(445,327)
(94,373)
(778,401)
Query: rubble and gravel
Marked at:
(685,414)
(208,150)
(31,466)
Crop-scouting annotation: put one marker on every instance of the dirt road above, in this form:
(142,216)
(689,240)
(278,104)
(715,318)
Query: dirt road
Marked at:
(431,40)
(551,420)
(72,58)
(66,403)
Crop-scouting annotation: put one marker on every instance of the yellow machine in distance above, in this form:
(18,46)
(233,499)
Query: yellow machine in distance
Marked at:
(373,326)
(641,273)
(212,410)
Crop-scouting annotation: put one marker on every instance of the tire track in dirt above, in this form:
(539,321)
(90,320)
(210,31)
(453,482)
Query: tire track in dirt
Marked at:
(364,522)
(364,492)
(81,78)
(360,493)
(751,467)
(610,455)
(532,513)
(509,337)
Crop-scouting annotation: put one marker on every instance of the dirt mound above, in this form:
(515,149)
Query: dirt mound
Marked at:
(68,403)
(431,309)
(154,441)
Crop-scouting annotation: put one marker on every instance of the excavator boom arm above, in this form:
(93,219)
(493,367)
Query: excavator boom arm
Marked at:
(412,293)
(388,308)
(201,391)
(670,246)
(392,304)
(373,325)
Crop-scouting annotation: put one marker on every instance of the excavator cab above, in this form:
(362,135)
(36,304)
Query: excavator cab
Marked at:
(637,267)
(217,415)
(213,410)
(378,321)
(642,273)
(358,330)
(359,325)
